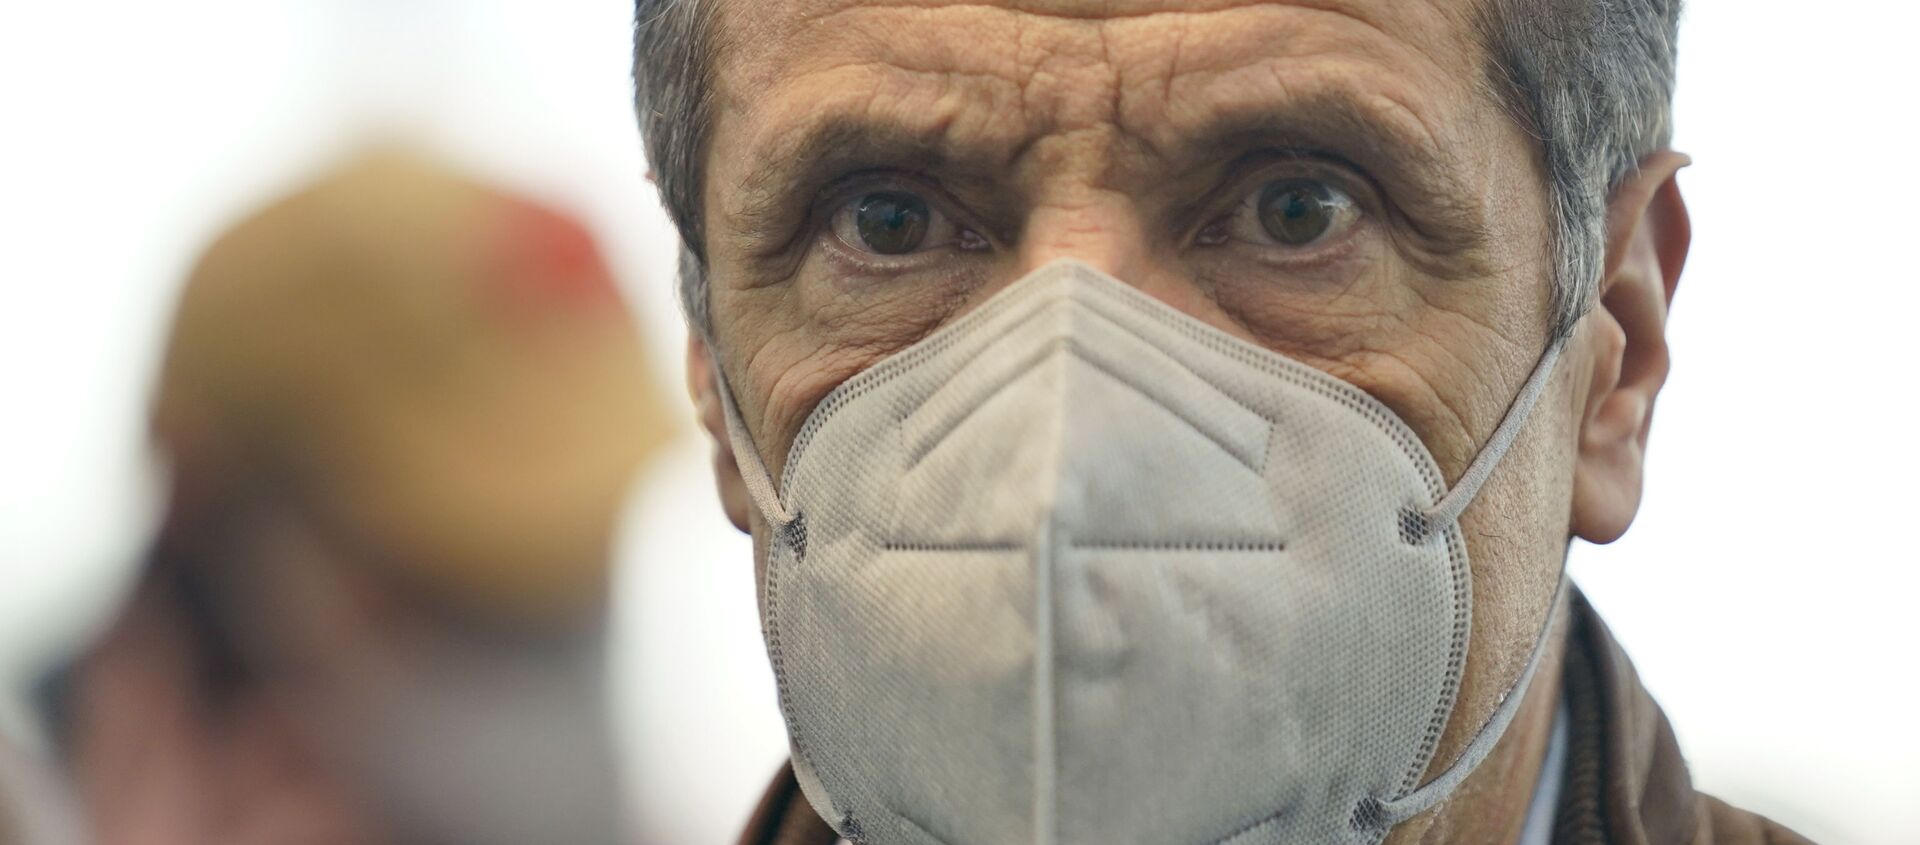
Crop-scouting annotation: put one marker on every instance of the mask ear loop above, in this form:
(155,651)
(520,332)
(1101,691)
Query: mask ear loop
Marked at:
(1455,502)
(1382,814)
(753,469)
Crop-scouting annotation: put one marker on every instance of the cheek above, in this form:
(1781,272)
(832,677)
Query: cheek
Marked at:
(1328,311)
(793,378)
(1378,324)
(786,346)
(1359,319)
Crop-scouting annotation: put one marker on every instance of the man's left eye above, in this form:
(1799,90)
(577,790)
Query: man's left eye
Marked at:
(1288,213)
(895,223)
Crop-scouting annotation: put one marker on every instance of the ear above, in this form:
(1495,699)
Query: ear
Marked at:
(1648,234)
(706,402)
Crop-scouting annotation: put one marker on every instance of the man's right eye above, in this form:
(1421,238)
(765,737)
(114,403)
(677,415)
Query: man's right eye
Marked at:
(895,223)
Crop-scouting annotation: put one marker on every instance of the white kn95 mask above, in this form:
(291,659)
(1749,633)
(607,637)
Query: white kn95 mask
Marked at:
(1079,568)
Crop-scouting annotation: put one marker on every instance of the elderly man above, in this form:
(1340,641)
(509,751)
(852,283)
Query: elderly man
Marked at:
(1165,420)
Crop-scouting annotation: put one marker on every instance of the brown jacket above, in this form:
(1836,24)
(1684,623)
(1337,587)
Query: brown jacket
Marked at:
(1625,782)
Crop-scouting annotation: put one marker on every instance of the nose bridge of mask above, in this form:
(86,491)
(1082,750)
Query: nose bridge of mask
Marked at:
(1437,518)
(1078,379)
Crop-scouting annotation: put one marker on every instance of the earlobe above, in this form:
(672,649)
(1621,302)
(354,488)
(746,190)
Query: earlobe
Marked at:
(704,390)
(1647,241)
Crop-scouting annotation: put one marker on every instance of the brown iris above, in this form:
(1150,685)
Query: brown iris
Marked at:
(1297,212)
(891,222)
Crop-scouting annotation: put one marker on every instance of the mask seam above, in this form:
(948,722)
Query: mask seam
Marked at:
(1080,352)
(892,368)
(1046,708)
(776,657)
(1088,546)
(901,414)
(920,828)
(1177,546)
(1462,583)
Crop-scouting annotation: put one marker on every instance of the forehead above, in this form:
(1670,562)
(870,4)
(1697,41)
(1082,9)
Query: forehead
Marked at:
(1131,64)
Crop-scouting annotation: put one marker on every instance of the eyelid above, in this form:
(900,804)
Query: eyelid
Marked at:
(1250,177)
(846,189)
(1251,173)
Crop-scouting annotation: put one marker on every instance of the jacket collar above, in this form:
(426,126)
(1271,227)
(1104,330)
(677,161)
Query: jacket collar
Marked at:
(1626,781)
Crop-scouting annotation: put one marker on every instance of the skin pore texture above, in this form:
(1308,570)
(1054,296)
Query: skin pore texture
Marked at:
(1133,135)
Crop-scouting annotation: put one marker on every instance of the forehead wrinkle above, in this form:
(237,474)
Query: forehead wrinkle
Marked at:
(1348,90)
(1413,20)
(1063,10)
(864,129)
(1421,24)
(1282,41)
(950,81)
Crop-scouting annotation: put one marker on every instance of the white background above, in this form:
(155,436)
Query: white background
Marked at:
(1767,592)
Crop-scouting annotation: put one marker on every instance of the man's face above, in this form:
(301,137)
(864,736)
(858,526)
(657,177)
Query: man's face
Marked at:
(1330,180)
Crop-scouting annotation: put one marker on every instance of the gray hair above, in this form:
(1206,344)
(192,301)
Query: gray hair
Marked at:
(673,42)
(1591,79)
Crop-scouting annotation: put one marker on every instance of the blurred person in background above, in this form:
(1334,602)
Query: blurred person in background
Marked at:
(401,410)
(35,807)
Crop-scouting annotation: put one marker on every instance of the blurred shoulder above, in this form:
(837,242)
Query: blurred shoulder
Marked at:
(1724,824)
(36,806)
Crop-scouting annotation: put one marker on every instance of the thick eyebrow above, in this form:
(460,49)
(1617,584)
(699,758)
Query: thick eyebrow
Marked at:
(829,145)
(1332,118)
(1369,131)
